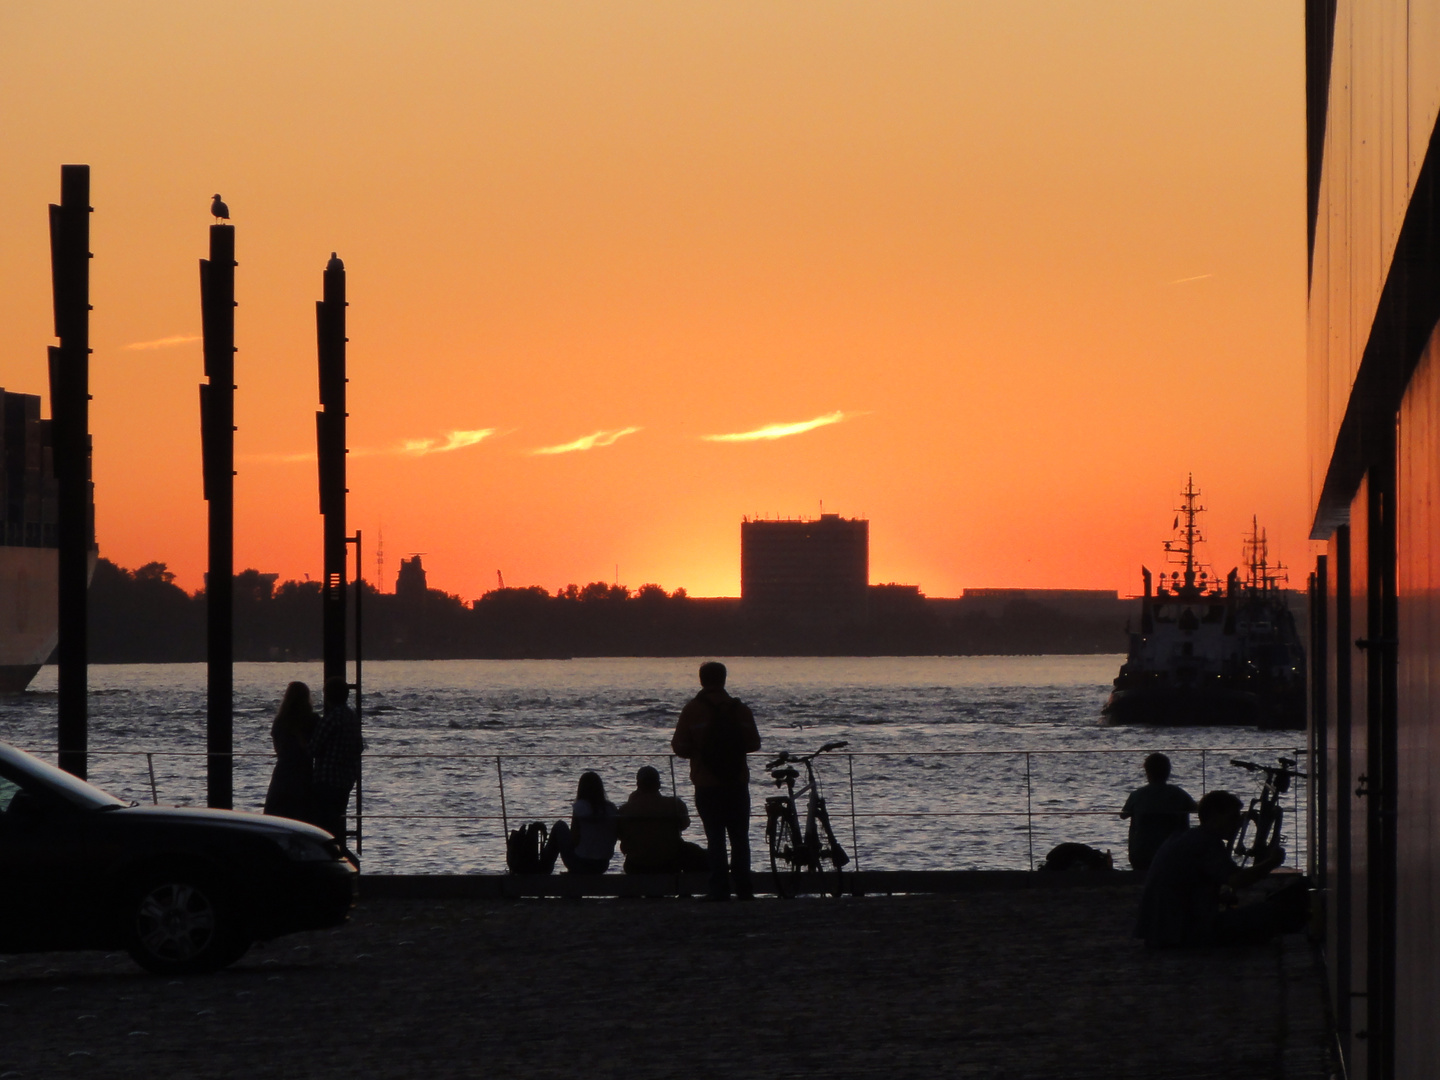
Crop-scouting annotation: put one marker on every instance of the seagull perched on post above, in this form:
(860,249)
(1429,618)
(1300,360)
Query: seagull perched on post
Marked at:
(219,209)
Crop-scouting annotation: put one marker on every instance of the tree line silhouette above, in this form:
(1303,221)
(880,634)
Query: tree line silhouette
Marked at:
(142,616)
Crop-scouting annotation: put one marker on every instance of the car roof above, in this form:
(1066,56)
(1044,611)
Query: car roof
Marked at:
(65,784)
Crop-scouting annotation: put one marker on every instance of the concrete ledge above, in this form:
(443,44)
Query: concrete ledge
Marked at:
(860,883)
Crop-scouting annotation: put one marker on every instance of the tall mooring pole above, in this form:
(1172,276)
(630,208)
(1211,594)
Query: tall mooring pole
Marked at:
(70,437)
(217,431)
(330,442)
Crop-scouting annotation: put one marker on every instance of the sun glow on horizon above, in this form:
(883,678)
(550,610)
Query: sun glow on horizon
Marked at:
(970,223)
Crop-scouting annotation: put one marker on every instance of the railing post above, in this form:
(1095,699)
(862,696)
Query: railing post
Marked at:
(154,794)
(854,839)
(504,814)
(1202,772)
(673,790)
(1029,812)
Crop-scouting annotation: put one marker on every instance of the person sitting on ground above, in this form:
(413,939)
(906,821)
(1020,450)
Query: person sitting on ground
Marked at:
(1156,811)
(1181,906)
(587,843)
(650,826)
(290,784)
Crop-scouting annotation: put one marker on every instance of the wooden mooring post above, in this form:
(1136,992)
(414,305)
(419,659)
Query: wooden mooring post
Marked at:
(70,442)
(330,452)
(217,431)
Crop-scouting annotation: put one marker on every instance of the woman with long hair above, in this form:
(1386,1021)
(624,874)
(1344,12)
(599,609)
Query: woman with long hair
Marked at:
(587,843)
(290,793)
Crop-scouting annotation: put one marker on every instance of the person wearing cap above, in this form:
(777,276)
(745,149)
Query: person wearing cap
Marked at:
(651,827)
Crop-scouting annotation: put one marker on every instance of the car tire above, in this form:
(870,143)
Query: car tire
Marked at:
(182,923)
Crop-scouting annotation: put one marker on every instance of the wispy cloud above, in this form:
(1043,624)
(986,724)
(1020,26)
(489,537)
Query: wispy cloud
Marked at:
(164,342)
(588,442)
(455,440)
(276,459)
(781,431)
(1197,277)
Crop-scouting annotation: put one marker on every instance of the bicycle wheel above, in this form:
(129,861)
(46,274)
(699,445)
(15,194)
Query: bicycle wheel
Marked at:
(830,851)
(782,833)
(1243,839)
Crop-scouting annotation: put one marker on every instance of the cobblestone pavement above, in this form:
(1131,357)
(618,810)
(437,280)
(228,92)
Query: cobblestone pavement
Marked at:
(1000,984)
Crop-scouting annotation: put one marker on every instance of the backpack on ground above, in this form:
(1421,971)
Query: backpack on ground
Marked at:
(1077,857)
(523,851)
(722,741)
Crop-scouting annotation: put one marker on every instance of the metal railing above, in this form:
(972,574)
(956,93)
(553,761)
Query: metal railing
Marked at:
(883,800)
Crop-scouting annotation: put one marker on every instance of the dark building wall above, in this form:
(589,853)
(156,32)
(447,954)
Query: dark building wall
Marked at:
(1417,924)
(1374,379)
(805,571)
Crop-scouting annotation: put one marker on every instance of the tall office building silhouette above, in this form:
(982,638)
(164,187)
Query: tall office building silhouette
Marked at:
(807,571)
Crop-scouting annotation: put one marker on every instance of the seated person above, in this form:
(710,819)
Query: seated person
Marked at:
(650,825)
(1156,811)
(587,844)
(1181,905)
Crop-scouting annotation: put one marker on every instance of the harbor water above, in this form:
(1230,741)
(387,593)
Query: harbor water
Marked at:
(951,763)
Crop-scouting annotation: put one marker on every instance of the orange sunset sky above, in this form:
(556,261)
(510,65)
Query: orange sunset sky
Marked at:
(1033,261)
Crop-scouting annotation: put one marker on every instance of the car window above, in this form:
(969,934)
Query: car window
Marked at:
(8,788)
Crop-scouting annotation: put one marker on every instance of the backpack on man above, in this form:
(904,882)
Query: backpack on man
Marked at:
(525,848)
(722,741)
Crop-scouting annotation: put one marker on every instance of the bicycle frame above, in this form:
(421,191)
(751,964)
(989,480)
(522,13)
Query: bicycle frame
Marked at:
(801,848)
(1265,811)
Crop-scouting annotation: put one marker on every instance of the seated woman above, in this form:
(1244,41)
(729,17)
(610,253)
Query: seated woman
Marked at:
(588,842)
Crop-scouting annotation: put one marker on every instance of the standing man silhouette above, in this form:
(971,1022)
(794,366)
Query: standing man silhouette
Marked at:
(337,747)
(714,733)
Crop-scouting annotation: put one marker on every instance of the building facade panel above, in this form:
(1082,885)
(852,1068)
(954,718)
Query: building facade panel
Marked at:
(1356,836)
(1339,777)
(1422,71)
(1418,822)
(1372,129)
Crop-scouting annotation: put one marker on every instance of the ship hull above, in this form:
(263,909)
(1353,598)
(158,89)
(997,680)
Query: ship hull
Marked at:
(1182,707)
(29,614)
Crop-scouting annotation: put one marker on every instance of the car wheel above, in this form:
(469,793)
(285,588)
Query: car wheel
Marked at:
(180,923)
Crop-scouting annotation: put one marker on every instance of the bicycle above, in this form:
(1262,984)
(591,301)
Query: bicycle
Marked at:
(1265,812)
(793,849)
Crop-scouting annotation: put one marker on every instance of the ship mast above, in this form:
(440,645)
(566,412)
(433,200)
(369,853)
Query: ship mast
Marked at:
(1257,560)
(1190,535)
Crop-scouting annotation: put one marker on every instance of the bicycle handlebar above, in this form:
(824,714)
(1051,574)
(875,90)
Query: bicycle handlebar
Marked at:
(1284,769)
(800,759)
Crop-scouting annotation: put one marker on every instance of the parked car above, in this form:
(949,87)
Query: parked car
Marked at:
(182,890)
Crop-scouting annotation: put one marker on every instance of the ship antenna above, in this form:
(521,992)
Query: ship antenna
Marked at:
(1192,533)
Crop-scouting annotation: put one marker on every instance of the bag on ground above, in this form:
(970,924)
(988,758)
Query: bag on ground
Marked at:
(523,849)
(1077,857)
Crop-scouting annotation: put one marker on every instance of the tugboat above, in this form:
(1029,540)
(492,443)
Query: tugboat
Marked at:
(1211,654)
(1270,646)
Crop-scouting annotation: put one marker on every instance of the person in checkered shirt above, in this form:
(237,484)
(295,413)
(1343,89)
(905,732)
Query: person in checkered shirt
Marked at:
(337,747)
